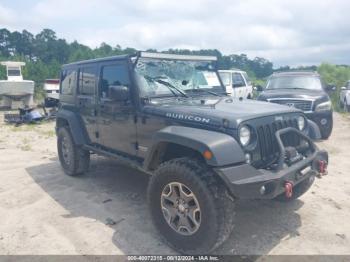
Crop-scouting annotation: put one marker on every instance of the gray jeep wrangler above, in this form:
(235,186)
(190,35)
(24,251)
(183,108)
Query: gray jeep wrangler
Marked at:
(169,115)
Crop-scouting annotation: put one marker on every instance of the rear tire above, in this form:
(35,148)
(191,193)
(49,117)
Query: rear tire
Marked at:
(74,159)
(213,220)
(298,190)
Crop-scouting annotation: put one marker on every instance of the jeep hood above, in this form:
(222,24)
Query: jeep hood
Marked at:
(214,111)
(291,93)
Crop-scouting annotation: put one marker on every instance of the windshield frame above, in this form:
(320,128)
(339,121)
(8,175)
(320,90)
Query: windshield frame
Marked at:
(180,58)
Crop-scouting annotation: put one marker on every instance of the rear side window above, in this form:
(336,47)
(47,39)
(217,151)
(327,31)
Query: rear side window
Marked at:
(113,75)
(237,80)
(225,78)
(69,81)
(87,80)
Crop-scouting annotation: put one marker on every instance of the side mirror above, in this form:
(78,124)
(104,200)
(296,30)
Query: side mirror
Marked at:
(331,87)
(119,93)
(259,88)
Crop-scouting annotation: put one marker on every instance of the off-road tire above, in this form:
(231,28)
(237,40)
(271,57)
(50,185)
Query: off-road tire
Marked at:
(298,190)
(216,205)
(79,159)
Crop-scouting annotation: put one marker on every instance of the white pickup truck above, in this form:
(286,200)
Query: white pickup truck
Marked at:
(237,83)
(344,98)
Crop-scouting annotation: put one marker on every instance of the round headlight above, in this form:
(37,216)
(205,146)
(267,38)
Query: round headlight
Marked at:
(244,135)
(301,123)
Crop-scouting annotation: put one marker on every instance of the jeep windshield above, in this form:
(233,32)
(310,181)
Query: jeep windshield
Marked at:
(158,78)
(294,82)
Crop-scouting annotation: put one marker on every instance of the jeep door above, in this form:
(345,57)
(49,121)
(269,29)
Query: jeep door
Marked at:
(86,99)
(116,124)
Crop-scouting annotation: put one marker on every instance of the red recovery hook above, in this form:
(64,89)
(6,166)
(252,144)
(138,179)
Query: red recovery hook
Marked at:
(322,167)
(288,188)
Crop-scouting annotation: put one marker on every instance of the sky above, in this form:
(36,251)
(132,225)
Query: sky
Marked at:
(287,32)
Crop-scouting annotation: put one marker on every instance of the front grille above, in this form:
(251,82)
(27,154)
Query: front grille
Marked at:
(267,142)
(304,105)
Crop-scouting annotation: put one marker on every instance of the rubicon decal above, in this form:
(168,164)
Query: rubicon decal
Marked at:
(188,117)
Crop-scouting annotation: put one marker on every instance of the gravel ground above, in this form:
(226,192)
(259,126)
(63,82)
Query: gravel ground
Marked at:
(43,211)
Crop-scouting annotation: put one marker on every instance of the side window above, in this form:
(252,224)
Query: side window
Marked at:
(237,80)
(87,80)
(69,81)
(113,75)
(225,78)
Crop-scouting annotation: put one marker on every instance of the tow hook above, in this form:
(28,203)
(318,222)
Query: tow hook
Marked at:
(288,188)
(322,168)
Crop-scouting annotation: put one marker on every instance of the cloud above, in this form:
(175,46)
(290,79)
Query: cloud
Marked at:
(286,32)
(7,16)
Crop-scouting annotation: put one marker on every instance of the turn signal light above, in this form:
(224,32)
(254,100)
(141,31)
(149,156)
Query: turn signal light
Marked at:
(207,154)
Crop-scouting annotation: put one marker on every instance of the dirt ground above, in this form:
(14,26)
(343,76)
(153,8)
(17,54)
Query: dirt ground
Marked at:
(43,211)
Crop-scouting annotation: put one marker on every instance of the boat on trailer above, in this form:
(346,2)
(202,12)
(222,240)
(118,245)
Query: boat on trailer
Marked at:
(15,92)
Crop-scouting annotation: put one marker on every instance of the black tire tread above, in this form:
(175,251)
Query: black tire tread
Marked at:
(81,156)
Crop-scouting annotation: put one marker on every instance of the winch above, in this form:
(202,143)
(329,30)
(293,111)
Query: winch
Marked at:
(292,155)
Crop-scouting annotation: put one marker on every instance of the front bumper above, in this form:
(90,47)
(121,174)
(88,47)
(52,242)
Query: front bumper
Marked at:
(246,182)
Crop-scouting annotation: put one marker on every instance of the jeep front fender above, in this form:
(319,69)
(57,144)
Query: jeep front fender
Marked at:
(76,126)
(313,131)
(224,148)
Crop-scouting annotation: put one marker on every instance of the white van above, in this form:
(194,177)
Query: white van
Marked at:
(237,83)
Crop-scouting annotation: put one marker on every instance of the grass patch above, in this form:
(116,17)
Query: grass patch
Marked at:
(48,134)
(26,147)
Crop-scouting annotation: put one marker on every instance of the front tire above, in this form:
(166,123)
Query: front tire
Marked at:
(204,220)
(346,107)
(326,130)
(74,159)
(299,190)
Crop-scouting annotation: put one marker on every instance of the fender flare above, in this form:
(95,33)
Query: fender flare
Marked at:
(313,131)
(224,148)
(76,126)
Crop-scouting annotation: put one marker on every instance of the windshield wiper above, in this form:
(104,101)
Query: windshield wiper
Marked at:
(202,90)
(171,87)
(167,84)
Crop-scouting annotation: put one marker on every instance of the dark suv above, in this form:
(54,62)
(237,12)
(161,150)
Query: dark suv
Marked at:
(169,116)
(305,91)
